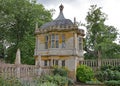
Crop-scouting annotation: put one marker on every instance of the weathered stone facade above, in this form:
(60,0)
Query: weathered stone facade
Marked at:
(59,42)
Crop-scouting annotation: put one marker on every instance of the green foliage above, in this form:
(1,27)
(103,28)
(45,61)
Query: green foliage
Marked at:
(85,73)
(46,80)
(117,68)
(60,71)
(108,73)
(9,81)
(103,68)
(93,81)
(100,37)
(112,83)
(47,84)
(17,26)
(55,79)
(114,68)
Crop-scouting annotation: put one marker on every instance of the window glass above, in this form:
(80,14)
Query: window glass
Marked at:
(80,43)
(53,61)
(45,63)
(56,62)
(57,42)
(51,41)
(46,42)
(63,40)
(63,63)
(57,38)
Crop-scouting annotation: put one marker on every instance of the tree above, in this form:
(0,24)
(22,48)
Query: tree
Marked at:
(19,26)
(100,37)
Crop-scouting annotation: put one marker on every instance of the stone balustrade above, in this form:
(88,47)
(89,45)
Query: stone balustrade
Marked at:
(19,71)
(22,71)
(104,62)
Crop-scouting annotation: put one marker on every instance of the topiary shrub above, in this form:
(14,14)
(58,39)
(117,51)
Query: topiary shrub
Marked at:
(84,73)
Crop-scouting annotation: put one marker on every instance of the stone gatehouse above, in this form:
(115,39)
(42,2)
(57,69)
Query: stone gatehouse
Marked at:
(60,43)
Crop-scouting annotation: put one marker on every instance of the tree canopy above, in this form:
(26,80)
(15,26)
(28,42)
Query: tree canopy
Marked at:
(100,37)
(17,25)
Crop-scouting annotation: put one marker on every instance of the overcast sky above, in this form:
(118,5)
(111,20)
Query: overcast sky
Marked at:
(79,9)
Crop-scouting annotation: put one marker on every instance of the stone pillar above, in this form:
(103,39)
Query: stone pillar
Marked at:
(71,64)
(99,59)
(17,63)
(18,58)
(38,64)
(75,44)
(17,71)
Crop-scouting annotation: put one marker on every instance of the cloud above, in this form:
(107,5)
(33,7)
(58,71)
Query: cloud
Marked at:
(47,2)
(79,9)
(54,2)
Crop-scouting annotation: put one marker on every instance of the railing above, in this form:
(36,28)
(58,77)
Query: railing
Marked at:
(19,71)
(94,63)
(113,62)
(25,74)
(22,71)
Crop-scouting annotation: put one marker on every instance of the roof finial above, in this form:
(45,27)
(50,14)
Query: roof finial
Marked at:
(61,16)
(75,20)
(61,7)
